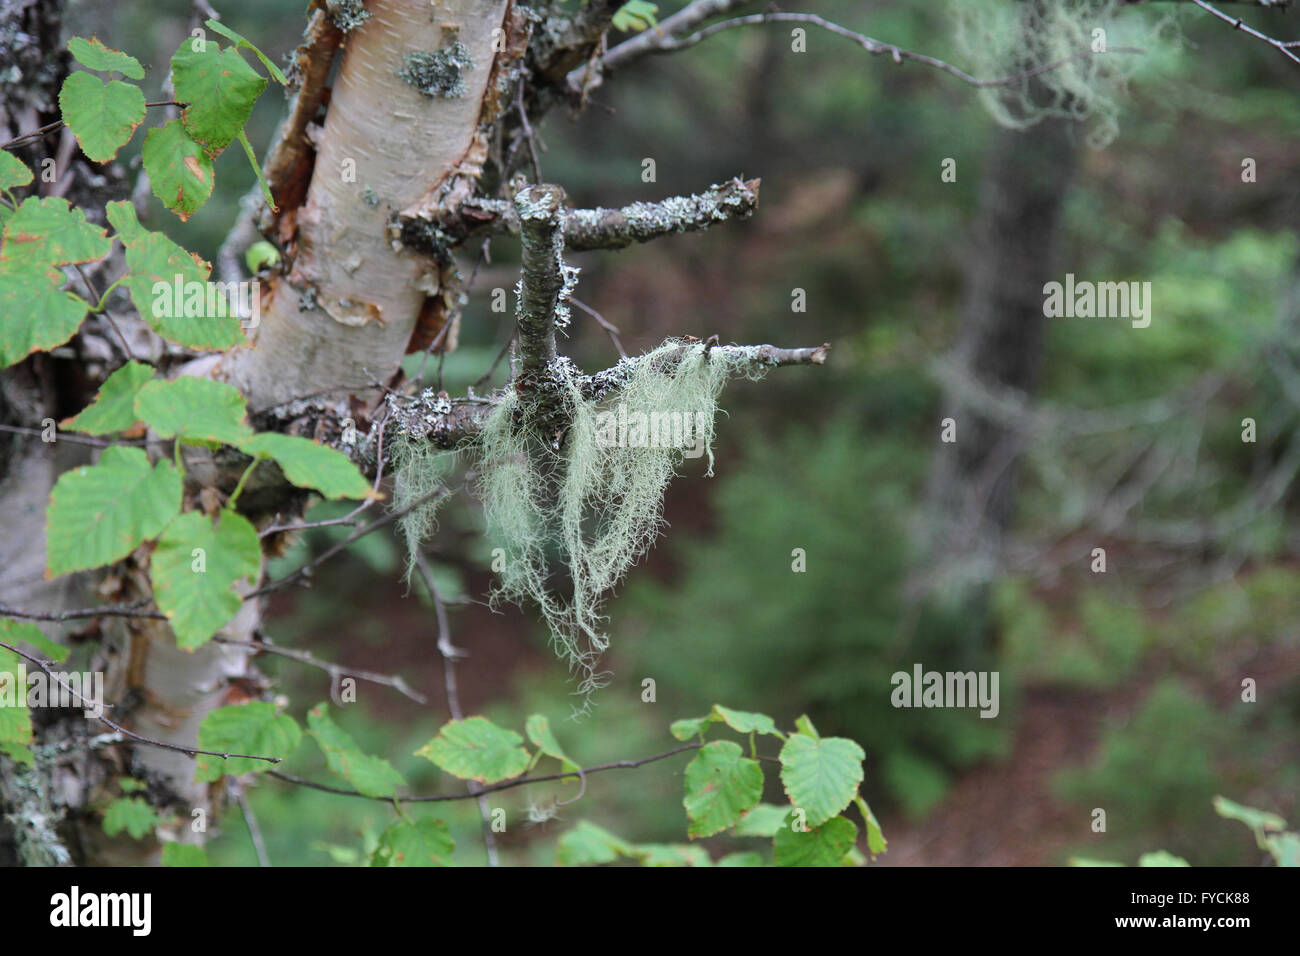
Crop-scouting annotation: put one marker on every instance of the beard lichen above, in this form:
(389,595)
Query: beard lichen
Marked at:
(1057,50)
(561,487)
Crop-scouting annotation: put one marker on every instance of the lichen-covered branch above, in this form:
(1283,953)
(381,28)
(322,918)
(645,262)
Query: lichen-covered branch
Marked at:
(602,228)
(540,212)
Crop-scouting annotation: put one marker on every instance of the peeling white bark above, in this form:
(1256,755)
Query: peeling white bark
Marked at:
(401,144)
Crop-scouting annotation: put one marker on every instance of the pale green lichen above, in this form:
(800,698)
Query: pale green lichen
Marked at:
(595,504)
(1055,43)
(580,500)
(438,73)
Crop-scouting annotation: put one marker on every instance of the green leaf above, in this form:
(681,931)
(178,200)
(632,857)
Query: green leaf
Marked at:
(183,854)
(157,265)
(1087,861)
(99,514)
(875,836)
(218,27)
(762,820)
(132,815)
(821,776)
(748,858)
(194,570)
(588,844)
(93,55)
(220,89)
(424,842)
(721,784)
(1161,858)
(309,464)
(1285,848)
(689,727)
(194,410)
(252,728)
(103,116)
(477,749)
(131,785)
(35,314)
(826,845)
(15,720)
(16,633)
(372,776)
(180,170)
(805,727)
(50,232)
(538,729)
(113,409)
(13,171)
(635,16)
(1257,820)
(745,722)
(671,854)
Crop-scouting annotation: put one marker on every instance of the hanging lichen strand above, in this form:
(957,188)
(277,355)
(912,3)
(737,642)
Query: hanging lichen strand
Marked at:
(594,501)
(1075,57)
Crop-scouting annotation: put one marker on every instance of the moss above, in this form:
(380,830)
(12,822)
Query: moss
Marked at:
(439,73)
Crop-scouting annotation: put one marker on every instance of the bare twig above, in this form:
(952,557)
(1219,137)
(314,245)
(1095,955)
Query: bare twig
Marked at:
(493,788)
(336,671)
(95,705)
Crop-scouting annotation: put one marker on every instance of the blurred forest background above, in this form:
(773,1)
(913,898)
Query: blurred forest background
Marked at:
(1120,690)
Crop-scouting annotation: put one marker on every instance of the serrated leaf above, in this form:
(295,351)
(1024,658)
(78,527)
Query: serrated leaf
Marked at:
(103,116)
(50,232)
(721,784)
(748,858)
(220,88)
(183,854)
(252,728)
(689,727)
(180,170)
(35,314)
(15,719)
(309,464)
(16,633)
(13,171)
(240,41)
(671,854)
(587,844)
(538,729)
(194,570)
(132,815)
(761,821)
(372,776)
(93,55)
(745,722)
(423,842)
(821,776)
(477,749)
(156,267)
(100,513)
(826,845)
(113,409)
(194,410)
